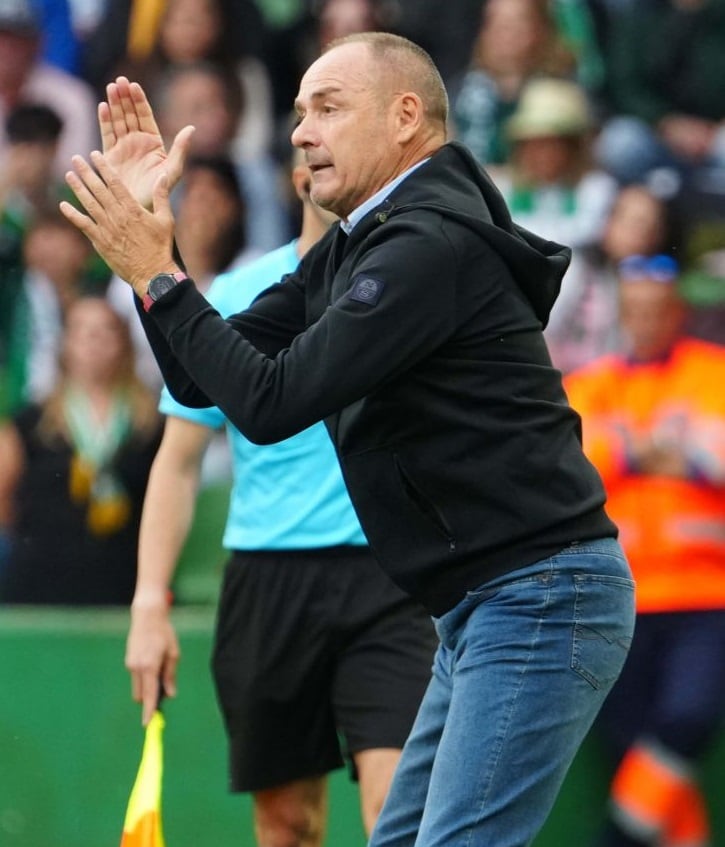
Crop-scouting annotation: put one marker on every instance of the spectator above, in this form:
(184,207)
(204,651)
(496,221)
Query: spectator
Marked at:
(75,470)
(198,30)
(188,34)
(26,78)
(207,96)
(27,188)
(588,322)
(337,18)
(28,185)
(552,187)
(654,425)
(211,220)
(664,64)
(448,31)
(42,262)
(193,31)
(549,179)
(112,32)
(639,224)
(58,270)
(517,39)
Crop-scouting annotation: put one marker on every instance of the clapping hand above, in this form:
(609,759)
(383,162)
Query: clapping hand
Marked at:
(132,143)
(126,194)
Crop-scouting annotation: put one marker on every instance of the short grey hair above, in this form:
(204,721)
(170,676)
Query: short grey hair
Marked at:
(407,59)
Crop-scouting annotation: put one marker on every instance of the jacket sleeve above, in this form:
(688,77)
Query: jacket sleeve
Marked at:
(271,376)
(267,332)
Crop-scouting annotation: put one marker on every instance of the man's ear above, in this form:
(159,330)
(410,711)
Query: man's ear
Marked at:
(409,115)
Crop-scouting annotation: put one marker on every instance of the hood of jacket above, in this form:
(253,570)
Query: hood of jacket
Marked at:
(453,184)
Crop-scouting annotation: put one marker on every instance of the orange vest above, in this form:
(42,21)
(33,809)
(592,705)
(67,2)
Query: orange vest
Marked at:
(673,530)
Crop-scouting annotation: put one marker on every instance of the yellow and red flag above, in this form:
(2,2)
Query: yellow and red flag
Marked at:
(142,825)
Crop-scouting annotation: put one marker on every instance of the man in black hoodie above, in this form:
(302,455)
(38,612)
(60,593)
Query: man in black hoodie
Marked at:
(414,330)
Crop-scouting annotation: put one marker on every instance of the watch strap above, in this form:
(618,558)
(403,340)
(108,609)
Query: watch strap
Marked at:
(148,301)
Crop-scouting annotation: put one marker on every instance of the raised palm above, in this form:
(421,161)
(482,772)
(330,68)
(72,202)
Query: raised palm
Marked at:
(132,143)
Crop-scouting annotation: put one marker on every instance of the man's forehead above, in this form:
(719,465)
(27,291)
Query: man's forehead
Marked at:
(344,68)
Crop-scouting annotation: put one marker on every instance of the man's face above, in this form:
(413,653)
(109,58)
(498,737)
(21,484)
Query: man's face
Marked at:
(198,99)
(346,128)
(636,224)
(207,209)
(545,159)
(18,53)
(651,316)
(30,164)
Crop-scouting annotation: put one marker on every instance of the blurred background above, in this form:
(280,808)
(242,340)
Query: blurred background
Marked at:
(602,122)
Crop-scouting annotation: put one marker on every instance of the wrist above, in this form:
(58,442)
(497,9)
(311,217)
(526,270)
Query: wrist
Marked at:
(151,598)
(159,286)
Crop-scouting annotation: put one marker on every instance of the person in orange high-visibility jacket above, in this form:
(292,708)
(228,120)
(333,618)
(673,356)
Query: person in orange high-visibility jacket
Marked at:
(653,422)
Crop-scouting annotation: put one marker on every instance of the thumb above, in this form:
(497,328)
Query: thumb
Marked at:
(161,202)
(178,154)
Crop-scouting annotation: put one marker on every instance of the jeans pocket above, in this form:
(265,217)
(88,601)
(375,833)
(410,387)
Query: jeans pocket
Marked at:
(603,627)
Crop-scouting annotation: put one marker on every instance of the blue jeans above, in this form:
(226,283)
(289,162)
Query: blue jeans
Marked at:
(522,669)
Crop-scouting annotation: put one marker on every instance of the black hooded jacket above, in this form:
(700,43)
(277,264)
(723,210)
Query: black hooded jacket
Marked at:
(418,340)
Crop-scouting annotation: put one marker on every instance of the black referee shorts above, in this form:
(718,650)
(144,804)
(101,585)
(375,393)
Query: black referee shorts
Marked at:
(317,656)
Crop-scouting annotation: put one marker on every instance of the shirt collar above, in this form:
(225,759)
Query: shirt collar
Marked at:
(359,213)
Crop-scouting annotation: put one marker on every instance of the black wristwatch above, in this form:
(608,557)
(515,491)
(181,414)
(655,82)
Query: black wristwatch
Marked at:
(161,284)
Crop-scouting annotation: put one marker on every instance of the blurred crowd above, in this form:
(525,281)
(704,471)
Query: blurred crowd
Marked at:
(602,122)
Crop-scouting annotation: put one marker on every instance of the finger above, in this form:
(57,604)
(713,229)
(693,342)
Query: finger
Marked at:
(142,109)
(128,104)
(151,687)
(105,124)
(168,675)
(86,225)
(161,202)
(136,690)
(96,193)
(115,110)
(77,218)
(88,202)
(178,153)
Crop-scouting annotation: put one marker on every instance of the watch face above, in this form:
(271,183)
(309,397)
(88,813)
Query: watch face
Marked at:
(160,285)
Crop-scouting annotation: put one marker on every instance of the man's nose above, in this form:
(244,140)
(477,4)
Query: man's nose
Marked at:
(302,134)
(297,135)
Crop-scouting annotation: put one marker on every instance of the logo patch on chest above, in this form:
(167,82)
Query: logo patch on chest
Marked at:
(367,290)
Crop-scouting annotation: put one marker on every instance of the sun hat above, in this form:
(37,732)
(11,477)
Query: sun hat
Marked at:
(547,107)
